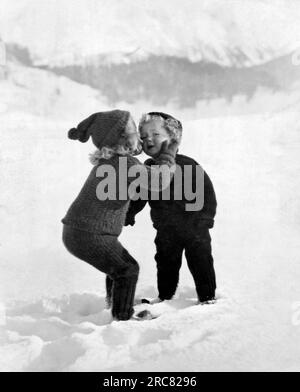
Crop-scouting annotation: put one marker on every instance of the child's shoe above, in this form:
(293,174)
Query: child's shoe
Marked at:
(143,316)
(151,302)
(211,301)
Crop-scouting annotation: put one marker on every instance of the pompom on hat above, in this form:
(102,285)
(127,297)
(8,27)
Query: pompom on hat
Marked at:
(105,128)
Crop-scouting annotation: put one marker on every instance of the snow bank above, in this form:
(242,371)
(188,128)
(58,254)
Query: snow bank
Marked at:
(76,333)
(29,91)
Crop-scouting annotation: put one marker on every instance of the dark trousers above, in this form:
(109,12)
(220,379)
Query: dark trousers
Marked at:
(106,254)
(171,242)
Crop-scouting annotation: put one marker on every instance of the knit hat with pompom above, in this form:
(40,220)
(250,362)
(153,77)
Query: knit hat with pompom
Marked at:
(105,128)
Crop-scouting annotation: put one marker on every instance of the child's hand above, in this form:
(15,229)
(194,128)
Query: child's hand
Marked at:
(170,147)
(168,151)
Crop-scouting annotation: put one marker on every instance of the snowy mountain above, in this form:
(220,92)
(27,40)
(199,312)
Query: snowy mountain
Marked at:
(225,32)
(171,80)
(163,53)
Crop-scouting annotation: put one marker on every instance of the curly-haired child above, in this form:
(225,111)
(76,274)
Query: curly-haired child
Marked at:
(178,229)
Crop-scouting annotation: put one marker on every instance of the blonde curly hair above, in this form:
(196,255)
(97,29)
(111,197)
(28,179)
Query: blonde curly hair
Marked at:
(109,152)
(171,125)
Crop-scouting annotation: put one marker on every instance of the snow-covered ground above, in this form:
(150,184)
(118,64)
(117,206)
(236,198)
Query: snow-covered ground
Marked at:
(52,314)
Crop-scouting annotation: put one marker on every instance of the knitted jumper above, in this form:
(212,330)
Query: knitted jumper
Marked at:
(172,212)
(90,214)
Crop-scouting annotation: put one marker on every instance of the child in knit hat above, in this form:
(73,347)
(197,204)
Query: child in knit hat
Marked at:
(178,229)
(92,224)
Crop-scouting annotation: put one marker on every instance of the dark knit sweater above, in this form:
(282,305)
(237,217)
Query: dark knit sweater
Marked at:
(173,212)
(108,217)
(88,213)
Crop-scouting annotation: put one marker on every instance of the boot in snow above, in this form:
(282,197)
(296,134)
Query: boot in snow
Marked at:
(123,298)
(143,316)
(208,302)
(152,301)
